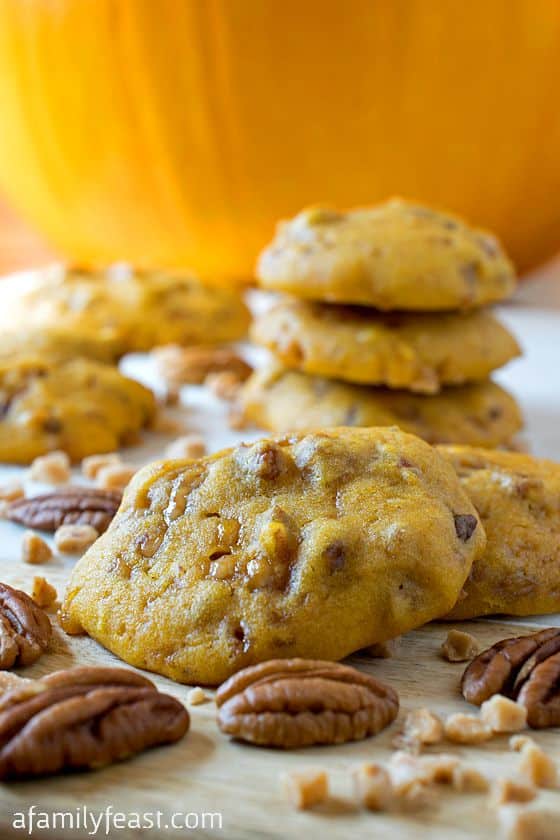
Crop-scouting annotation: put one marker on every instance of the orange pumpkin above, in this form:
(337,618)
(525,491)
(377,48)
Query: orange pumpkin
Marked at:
(175,132)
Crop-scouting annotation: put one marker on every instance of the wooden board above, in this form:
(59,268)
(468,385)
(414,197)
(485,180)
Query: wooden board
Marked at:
(207,773)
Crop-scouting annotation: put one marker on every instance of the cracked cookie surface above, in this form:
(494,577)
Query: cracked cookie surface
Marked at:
(518,500)
(136,310)
(420,352)
(81,407)
(310,545)
(396,255)
(479,414)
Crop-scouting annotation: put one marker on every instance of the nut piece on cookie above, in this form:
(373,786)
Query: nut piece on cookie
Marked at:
(74,539)
(225,385)
(34,549)
(305,788)
(53,468)
(467,729)
(43,593)
(373,787)
(311,545)
(503,714)
(459,646)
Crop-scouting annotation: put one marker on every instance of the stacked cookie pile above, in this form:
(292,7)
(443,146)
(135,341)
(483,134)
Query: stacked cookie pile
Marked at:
(385,325)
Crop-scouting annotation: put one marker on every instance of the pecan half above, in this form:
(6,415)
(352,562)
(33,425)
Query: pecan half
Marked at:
(75,506)
(84,718)
(292,703)
(526,669)
(25,629)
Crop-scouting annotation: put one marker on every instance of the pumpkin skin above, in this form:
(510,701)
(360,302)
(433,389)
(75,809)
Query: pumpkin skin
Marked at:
(175,133)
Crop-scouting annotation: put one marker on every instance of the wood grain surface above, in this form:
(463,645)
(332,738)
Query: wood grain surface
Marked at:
(206,772)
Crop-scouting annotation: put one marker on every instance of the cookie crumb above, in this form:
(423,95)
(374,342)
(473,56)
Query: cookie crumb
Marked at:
(420,727)
(196,696)
(94,463)
(34,549)
(114,477)
(528,823)
(373,787)
(536,766)
(11,492)
(503,714)
(43,593)
(459,646)
(517,742)
(305,789)
(467,779)
(506,790)
(224,385)
(53,468)
(189,446)
(74,539)
(467,729)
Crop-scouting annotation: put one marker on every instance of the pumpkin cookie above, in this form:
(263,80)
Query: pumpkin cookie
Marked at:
(311,545)
(399,350)
(82,407)
(59,345)
(137,310)
(518,499)
(396,255)
(481,414)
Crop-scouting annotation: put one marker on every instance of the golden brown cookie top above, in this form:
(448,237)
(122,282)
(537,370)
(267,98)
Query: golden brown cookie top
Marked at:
(59,344)
(518,499)
(138,310)
(417,351)
(396,255)
(81,407)
(305,545)
(479,414)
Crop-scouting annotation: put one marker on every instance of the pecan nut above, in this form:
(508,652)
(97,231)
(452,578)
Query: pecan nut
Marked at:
(291,703)
(525,669)
(25,629)
(84,718)
(76,506)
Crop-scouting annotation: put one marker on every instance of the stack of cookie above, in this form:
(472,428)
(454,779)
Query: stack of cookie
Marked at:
(385,326)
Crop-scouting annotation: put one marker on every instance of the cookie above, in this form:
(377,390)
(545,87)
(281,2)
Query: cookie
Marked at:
(82,407)
(418,352)
(59,345)
(481,414)
(518,499)
(310,545)
(397,255)
(135,309)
